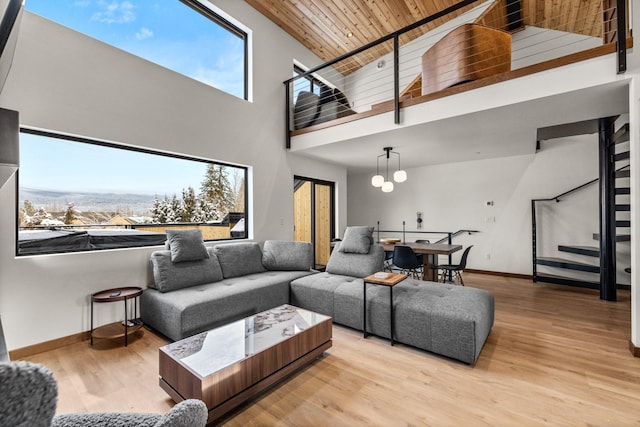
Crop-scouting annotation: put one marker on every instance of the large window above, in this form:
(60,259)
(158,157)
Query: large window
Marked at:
(76,194)
(188,36)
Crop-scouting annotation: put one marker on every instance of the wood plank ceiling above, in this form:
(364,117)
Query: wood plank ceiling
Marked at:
(330,28)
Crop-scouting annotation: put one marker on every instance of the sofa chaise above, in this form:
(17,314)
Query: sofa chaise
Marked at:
(241,279)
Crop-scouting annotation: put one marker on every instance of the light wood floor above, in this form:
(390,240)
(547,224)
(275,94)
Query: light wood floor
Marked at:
(556,356)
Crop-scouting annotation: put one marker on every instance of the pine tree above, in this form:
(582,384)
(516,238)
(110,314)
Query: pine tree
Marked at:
(70,214)
(189,205)
(157,212)
(174,210)
(28,208)
(216,193)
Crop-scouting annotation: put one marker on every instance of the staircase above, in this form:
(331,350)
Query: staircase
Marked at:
(614,213)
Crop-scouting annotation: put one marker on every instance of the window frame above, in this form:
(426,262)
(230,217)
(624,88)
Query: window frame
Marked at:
(225,23)
(137,149)
(217,17)
(313,81)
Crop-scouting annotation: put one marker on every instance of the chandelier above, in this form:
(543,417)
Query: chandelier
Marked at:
(381,181)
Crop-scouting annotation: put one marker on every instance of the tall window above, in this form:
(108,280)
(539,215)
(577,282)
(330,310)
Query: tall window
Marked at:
(188,36)
(76,194)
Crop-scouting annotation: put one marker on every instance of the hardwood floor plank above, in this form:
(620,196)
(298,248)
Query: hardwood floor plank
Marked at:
(557,356)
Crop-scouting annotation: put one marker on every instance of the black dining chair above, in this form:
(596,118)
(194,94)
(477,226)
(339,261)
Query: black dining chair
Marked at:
(406,260)
(420,256)
(388,261)
(455,268)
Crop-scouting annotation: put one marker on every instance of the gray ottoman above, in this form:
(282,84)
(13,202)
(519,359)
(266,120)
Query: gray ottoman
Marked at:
(450,320)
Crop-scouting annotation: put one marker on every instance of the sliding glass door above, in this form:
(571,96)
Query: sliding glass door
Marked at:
(313,216)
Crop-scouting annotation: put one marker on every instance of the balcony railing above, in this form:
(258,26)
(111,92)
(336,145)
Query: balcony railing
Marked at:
(459,48)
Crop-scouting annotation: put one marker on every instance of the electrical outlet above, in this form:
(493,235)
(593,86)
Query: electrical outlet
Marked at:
(487,256)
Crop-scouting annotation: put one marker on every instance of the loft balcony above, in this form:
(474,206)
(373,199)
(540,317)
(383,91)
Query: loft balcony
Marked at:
(465,61)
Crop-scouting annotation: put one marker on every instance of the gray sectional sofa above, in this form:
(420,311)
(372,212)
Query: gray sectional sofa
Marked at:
(240,279)
(233,281)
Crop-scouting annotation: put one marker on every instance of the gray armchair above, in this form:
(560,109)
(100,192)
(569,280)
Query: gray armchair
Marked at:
(30,393)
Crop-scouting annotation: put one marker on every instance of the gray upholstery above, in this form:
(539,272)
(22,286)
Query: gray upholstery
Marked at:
(450,320)
(186,245)
(356,265)
(29,397)
(357,240)
(283,255)
(187,311)
(188,413)
(169,276)
(239,259)
(247,287)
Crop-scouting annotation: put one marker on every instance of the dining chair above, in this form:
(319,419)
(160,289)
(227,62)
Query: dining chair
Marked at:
(420,256)
(457,269)
(406,260)
(388,261)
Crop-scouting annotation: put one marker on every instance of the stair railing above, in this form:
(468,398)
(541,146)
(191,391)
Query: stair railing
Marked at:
(557,199)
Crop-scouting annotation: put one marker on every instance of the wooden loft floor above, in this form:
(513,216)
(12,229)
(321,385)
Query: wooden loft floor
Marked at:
(556,356)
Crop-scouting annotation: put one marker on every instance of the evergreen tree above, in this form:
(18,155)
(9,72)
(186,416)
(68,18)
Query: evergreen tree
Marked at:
(28,208)
(216,192)
(70,214)
(189,205)
(157,213)
(174,209)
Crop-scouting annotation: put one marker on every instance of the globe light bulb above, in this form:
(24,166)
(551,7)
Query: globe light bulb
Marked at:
(387,187)
(400,176)
(377,180)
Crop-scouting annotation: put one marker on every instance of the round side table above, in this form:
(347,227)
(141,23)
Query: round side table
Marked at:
(117,329)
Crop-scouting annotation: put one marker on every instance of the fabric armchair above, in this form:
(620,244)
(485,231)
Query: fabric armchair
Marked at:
(30,394)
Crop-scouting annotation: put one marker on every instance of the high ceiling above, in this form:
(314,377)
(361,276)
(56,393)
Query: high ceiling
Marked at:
(330,28)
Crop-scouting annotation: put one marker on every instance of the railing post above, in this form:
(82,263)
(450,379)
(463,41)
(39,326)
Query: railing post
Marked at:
(450,257)
(607,210)
(396,78)
(287,115)
(534,243)
(621,32)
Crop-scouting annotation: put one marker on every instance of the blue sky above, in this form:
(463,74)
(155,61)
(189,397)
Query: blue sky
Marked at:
(166,32)
(61,165)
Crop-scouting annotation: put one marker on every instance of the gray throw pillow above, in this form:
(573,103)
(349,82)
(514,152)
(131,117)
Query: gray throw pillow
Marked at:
(186,245)
(169,276)
(357,240)
(285,255)
(239,259)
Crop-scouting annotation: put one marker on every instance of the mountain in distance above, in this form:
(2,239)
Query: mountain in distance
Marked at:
(87,201)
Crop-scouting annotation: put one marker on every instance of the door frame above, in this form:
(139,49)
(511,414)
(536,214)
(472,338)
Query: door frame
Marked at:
(332,207)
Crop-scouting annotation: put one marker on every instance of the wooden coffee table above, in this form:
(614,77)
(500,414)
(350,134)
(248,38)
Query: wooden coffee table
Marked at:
(390,280)
(226,366)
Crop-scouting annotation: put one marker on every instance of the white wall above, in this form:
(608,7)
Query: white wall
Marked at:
(453,196)
(66,82)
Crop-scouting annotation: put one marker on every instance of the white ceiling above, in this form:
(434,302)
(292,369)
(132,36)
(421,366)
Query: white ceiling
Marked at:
(500,132)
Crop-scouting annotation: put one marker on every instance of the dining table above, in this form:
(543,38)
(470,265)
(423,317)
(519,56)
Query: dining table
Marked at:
(430,252)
